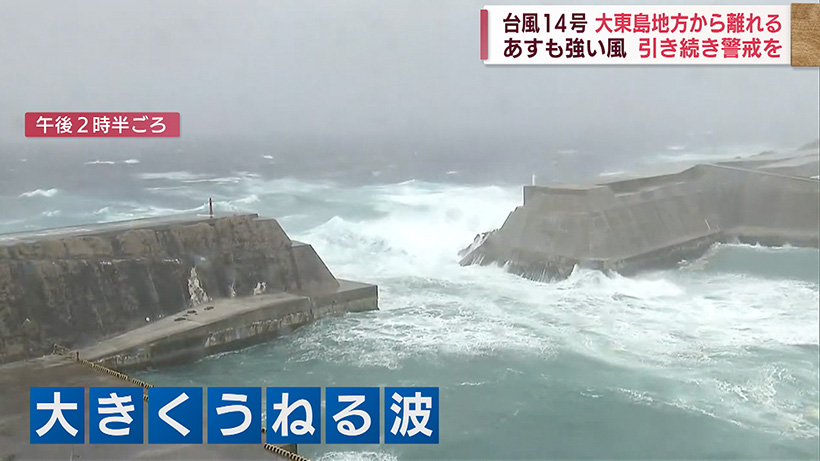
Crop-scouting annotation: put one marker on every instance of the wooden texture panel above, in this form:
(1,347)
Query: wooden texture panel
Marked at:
(805,34)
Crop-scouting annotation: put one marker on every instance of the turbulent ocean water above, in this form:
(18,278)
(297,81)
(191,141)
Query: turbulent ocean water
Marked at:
(717,358)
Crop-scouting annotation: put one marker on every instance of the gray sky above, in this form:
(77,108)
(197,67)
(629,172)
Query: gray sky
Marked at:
(325,68)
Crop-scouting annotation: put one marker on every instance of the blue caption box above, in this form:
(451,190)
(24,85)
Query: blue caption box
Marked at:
(293,415)
(411,415)
(234,415)
(115,415)
(57,415)
(175,415)
(352,415)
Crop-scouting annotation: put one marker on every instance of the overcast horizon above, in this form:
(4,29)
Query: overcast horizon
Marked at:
(317,72)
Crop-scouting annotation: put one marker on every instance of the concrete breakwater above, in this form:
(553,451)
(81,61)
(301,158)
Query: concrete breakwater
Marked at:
(224,324)
(219,283)
(638,223)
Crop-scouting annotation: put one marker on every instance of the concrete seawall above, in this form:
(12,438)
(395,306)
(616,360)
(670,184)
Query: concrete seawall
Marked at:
(78,286)
(651,221)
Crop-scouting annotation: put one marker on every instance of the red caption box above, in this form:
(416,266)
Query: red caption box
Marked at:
(102,124)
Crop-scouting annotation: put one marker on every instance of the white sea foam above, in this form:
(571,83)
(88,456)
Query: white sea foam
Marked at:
(676,154)
(178,190)
(186,177)
(172,176)
(217,180)
(40,193)
(757,247)
(284,187)
(126,211)
(252,198)
(357,456)
(131,161)
(101,162)
(677,325)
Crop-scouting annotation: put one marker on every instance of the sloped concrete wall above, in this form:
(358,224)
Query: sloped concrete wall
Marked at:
(313,276)
(78,288)
(780,205)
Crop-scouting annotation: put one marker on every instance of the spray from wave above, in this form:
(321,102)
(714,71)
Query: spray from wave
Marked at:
(680,326)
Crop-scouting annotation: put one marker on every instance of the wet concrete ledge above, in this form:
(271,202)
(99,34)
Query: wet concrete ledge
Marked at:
(225,324)
(54,370)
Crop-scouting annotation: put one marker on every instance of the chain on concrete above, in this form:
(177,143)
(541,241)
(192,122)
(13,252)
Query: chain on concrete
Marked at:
(282,452)
(61,350)
(119,375)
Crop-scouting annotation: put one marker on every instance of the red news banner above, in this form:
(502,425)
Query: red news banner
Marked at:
(102,124)
(635,34)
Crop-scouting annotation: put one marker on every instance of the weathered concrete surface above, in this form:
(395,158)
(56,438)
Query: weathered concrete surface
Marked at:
(75,286)
(636,223)
(224,324)
(17,378)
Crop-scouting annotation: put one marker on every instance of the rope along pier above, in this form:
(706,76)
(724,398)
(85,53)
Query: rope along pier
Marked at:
(61,350)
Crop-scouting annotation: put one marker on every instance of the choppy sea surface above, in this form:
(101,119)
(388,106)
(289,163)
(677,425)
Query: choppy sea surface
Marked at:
(717,358)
